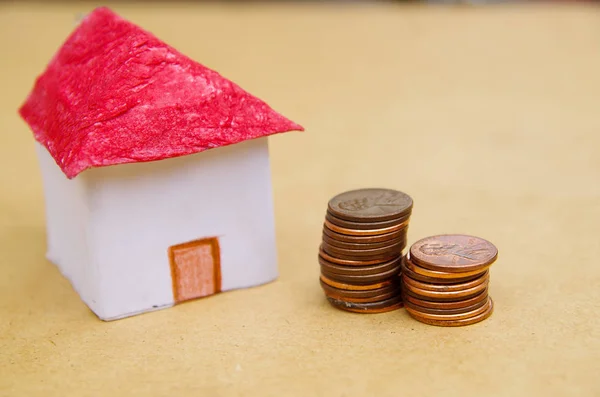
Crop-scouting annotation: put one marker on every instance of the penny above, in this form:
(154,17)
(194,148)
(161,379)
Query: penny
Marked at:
(362,279)
(433,280)
(445,295)
(453,253)
(437,274)
(361,246)
(445,305)
(417,294)
(358,270)
(440,298)
(349,262)
(365,239)
(369,232)
(365,258)
(353,294)
(370,205)
(424,309)
(447,287)
(364,225)
(451,317)
(375,298)
(355,287)
(356,254)
(372,307)
(456,323)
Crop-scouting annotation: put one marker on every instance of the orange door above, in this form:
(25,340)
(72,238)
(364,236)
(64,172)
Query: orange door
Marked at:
(195,269)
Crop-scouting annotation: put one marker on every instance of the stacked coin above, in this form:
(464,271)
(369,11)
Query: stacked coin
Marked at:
(445,280)
(360,256)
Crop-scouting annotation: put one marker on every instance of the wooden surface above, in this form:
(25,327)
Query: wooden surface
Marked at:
(489,118)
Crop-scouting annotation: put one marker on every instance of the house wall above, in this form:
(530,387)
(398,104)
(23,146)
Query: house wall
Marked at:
(138,210)
(66,227)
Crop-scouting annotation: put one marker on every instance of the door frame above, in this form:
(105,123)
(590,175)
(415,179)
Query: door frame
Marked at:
(216,256)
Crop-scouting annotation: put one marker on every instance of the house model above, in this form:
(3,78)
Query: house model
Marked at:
(140,214)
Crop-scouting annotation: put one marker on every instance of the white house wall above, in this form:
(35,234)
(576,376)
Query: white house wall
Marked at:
(138,210)
(66,222)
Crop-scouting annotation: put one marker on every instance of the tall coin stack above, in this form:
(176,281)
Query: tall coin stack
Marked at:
(445,280)
(360,256)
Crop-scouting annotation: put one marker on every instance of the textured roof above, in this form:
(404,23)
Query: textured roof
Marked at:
(116,94)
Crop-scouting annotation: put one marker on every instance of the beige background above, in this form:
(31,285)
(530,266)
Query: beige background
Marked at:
(489,118)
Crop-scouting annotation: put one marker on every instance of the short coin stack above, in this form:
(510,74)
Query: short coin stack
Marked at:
(445,280)
(360,256)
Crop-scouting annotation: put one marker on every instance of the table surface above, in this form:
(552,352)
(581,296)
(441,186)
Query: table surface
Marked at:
(488,117)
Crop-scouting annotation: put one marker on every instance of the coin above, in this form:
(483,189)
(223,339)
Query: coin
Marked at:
(362,279)
(453,253)
(356,287)
(365,258)
(424,309)
(364,225)
(354,294)
(358,270)
(444,295)
(440,298)
(456,323)
(451,317)
(364,239)
(437,274)
(361,250)
(447,287)
(374,253)
(374,298)
(406,289)
(372,307)
(433,280)
(361,246)
(370,205)
(369,232)
(348,262)
(445,305)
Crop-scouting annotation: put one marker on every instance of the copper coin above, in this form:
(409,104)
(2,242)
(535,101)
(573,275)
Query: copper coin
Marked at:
(376,298)
(432,280)
(370,205)
(456,323)
(365,239)
(369,232)
(445,295)
(450,317)
(447,287)
(437,274)
(343,253)
(453,253)
(361,246)
(371,307)
(424,309)
(362,279)
(364,258)
(349,262)
(329,290)
(358,270)
(417,294)
(356,287)
(445,305)
(365,225)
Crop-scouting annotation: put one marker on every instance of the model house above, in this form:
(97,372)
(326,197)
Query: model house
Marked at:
(140,213)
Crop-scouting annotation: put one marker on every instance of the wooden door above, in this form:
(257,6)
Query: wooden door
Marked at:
(195,269)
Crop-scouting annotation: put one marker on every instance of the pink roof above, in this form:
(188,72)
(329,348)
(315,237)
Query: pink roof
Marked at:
(116,94)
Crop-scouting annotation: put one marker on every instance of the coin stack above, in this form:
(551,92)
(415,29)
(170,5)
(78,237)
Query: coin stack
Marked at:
(360,256)
(445,280)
